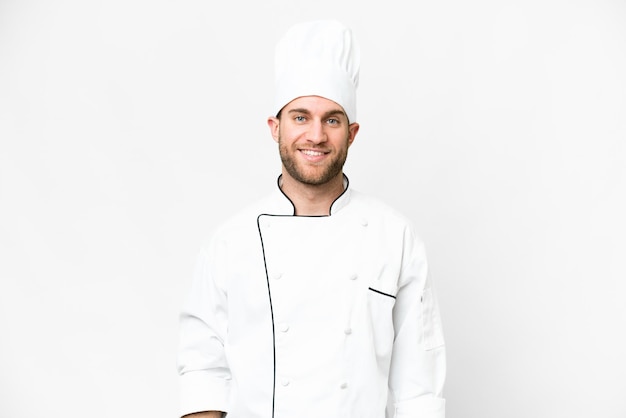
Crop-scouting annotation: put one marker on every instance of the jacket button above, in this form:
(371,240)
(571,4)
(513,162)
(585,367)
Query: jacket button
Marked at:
(348,331)
(354,277)
(283,327)
(278,275)
(363,222)
(344,385)
(284,382)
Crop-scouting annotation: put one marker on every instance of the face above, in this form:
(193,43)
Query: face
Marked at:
(313,135)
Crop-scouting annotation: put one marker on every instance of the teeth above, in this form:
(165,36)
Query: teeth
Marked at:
(312,153)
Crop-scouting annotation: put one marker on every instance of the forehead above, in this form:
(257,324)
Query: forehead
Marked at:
(314,105)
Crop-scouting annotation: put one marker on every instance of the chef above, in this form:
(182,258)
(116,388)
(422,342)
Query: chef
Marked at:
(315,301)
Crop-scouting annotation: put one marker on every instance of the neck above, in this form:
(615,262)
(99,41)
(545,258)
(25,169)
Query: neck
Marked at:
(312,200)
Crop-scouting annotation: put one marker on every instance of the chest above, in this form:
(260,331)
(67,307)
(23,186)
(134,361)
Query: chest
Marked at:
(308,262)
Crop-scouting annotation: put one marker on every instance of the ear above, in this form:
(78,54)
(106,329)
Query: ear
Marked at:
(274,125)
(353,128)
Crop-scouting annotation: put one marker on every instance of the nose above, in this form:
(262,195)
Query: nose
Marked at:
(316,134)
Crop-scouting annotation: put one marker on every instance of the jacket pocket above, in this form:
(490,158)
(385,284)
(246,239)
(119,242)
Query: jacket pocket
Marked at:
(380,308)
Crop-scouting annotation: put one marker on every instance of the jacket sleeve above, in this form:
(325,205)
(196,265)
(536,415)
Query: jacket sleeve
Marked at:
(418,364)
(202,367)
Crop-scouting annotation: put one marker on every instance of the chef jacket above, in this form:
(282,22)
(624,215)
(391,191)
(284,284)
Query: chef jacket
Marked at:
(313,316)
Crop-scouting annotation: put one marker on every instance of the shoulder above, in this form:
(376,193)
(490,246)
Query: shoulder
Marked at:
(242,219)
(375,207)
(380,214)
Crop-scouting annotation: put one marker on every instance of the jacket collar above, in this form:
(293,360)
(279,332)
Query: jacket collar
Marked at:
(282,205)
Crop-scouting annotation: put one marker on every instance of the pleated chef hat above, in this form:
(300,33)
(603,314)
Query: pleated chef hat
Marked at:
(318,58)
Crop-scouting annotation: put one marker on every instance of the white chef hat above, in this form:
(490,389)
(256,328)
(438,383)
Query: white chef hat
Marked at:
(318,58)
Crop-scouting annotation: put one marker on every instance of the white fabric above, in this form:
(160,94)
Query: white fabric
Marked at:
(319,58)
(352,326)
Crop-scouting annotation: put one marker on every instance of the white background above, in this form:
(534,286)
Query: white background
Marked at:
(129,128)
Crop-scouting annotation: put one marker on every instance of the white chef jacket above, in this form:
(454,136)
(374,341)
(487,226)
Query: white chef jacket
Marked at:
(313,316)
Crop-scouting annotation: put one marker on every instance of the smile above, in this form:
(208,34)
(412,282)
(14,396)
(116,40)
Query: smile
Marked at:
(312,153)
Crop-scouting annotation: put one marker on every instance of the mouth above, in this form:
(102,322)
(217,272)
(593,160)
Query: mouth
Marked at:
(313,153)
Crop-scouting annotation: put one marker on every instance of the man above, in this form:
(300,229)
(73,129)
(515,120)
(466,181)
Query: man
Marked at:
(314,302)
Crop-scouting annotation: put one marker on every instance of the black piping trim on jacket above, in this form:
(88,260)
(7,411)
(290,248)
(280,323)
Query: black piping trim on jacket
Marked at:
(269,293)
(330,209)
(286,197)
(382,293)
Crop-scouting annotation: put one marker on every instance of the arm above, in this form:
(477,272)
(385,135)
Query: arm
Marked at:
(204,372)
(418,364)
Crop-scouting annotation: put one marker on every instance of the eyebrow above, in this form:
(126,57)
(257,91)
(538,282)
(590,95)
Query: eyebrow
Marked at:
(328,114)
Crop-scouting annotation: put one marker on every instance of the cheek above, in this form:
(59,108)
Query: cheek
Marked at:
(342,140)
(291,136)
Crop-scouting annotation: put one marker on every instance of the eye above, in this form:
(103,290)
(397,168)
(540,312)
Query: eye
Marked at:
(333,121)
(299,118)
